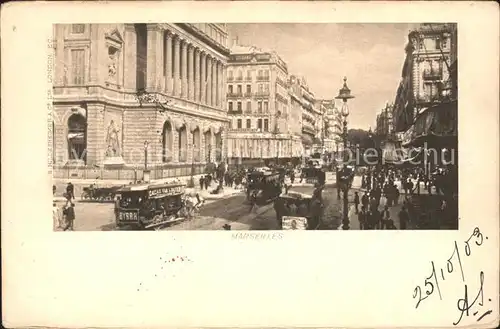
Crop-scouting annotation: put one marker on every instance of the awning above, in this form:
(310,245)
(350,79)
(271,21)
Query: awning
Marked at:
(439,121)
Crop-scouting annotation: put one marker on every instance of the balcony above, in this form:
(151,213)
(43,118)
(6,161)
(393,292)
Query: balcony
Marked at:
(433,74)
(262,78)
(229,79)
(248,94)
(235,112)
(262,94)
(248,79)
(238,79)
(234,95)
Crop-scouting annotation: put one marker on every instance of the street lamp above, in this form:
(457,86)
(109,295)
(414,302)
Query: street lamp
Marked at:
(345,94)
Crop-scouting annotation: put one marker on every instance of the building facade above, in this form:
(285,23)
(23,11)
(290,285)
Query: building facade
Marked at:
(311,114)
(101,71)
(425,71)
(258,106)
(384,126)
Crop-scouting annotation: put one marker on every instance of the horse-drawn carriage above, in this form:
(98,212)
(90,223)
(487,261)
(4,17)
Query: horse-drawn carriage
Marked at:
(94,193)
(263,187)
(150,206)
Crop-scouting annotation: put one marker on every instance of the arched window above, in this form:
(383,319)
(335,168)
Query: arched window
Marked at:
(208,145)
(218,144)
(196,145)
(77,139)
(183,144)
(167,142)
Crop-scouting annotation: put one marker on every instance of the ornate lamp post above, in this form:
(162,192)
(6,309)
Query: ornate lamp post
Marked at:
(345,94)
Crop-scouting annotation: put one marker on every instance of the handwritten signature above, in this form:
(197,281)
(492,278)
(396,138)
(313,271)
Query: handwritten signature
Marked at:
(454,263)
(464,306)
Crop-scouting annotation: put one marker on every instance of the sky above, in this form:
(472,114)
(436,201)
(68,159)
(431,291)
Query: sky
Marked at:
(371,56)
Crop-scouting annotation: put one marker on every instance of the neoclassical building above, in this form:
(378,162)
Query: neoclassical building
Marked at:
(259,106)
(102,69)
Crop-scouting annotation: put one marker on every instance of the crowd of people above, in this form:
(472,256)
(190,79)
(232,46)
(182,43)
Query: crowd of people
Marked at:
(416,211)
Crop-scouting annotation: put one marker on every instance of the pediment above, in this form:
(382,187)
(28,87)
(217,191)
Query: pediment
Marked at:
(114,36)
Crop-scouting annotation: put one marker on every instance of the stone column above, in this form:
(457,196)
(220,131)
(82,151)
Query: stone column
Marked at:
(220,86)
(152,36)
(214,82)
(208,100)
(184,67)
(130,69)
(169,83)
(224,87)
(191,67)
(197,79)
(203,88)
(160,75)
(177,67)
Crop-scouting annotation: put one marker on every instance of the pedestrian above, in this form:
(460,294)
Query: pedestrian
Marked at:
(117,207)
(202,182)
(365,200)
(69,213)
(56,216)
(280,209)
(356,201)
(292,176)
(54,190)
(384,217)
(253,200)
(362,218)
(70,190)
(403,218)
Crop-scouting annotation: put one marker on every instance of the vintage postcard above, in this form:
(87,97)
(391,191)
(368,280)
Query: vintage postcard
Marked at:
(209,117)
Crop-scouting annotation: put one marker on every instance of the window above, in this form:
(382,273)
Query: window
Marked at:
(240,74)
(77,28)
(259,124)
(266,73)
(260,73)
(266,88)
(249,74)
(231,124)
(266,107)
(230,89)
(261,87)
(259,107)
(239,90)
(249,89)
(249,123)
(230,73)
(78,66)
(266,124)
(249,106)
(239,123)
(230,106)
(239,106)
(438,43)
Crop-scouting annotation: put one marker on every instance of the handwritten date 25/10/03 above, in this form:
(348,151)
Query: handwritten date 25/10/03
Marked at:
(453,264)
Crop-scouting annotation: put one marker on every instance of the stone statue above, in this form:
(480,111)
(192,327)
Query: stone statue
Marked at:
(112,139)
(112,53)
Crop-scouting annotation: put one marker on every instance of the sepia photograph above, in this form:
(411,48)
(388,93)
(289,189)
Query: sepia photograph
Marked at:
(210,126)
(227,126)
